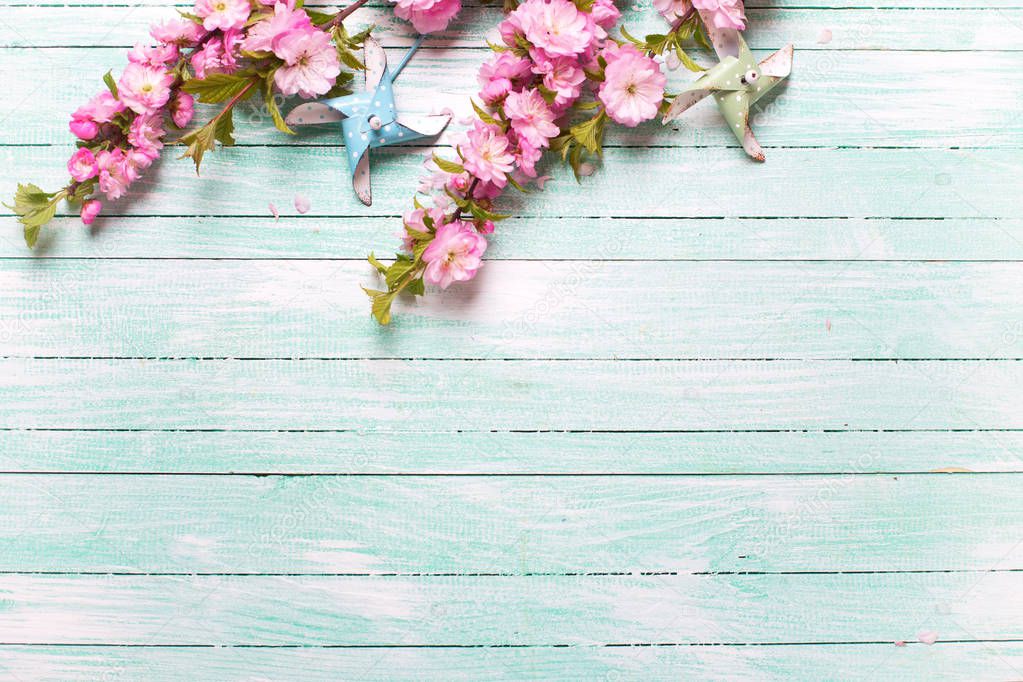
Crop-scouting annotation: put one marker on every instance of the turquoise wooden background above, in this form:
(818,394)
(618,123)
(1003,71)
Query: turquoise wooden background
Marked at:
(696,419)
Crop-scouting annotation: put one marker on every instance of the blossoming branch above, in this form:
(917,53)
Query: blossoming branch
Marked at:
(553,52)
(222,53)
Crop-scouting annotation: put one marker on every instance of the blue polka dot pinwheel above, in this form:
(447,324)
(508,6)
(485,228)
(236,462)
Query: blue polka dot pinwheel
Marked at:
(370,119)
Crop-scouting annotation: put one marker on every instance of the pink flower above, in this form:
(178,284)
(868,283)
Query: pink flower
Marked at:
(136,161)
(531,118)
(503,65)
(562,76)
(222,14)
(114,173)
(231,41)
(82,165)
(416,220)
(726,13)
(182,109)
(454,255)
(528,157)
(90,209)
(146,135)
(427,16)
(210,59)
(512,29)
(179,32)
(153,56)
(605,14)
(144,89)
(496,90)
(311,63)
(633,86)
(485,154)
(555,26)
(671,9)
(261,35)
(83,128)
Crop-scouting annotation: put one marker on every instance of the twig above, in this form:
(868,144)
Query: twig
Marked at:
(468,195)
(344,14)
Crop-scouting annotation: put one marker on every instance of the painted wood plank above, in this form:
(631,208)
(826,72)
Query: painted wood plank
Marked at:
(548,610)
(514,525)
(305,452)
(296,309)
(294,236)
(984,662)
(908,101)
(527,395)
(858,28)
(874,183)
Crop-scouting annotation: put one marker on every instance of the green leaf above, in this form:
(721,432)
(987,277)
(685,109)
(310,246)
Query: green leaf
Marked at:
(590,133)
(381,304)
(687,61)
(108,79)
(320,18)
(200,141)
(271,105)
(447,166)
(191,17)
(583,5)
(348,57)
(417,287)
(381,268)
(483,115)
(632,39)
(218,87)
(35,208)
(481,213)
(513,183)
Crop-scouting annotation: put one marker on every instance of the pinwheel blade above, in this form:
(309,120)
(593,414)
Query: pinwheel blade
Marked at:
(426,126)
(376,63)
(313,113)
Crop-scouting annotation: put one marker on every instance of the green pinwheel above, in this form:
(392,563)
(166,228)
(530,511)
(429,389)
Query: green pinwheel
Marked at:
(736,83)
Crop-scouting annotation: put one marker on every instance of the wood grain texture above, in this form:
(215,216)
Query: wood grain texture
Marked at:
(984,662)
(587,461)
(508,395)
(515,525)
(911,99)
(535,238)
(557,310)
(305,452)
(474,611)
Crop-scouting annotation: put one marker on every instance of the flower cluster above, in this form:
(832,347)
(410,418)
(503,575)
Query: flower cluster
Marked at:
(222,52)
(532,90)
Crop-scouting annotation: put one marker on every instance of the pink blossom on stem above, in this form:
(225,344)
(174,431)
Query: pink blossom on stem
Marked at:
(454,255)
(503,65)
(562,76)
(605,14)
(210,59)
(285,18)
(83,128)
(416,220)
(555,26)
(182,109)
(100,109)
(180,32)
(527,158)
(146,135)
(222,14)
(672,9)
(311,63)
(82,165)
(485,154)
(633,86)
(427,16)
(144,89)
(725,13)
(157,55)
(113,173)
(90,209)
(530,117)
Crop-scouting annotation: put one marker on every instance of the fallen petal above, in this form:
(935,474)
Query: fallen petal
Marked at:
(274,212)
(927,637)
(825,37)
(302,203)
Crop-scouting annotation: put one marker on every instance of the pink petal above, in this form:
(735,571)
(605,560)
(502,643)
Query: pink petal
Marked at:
(273,211)
(825,37)
(899,642)
(542,180)
(302,203)
(927,637)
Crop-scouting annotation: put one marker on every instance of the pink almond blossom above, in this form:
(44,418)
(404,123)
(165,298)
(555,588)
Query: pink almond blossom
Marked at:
(144,89)
(530,117)
(146,135)
(725,13)
(672,9)
(285,18)
(555,26)
(157,55)
(311,63)
(427,16)
(563,76)
(633,87)
(503,65)
(179,32)
(182,109)
(605,14)
(454,255)
(222,14)
(416,220)
(485,154)
(90,209)
(82,165)
(114,173)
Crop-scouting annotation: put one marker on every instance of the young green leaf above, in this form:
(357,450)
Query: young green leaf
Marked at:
(447,166)
(271,105)
(35,208)
(484,115)
(219,87)
(200,141)
(590,133)
(108,80)
(381,304)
